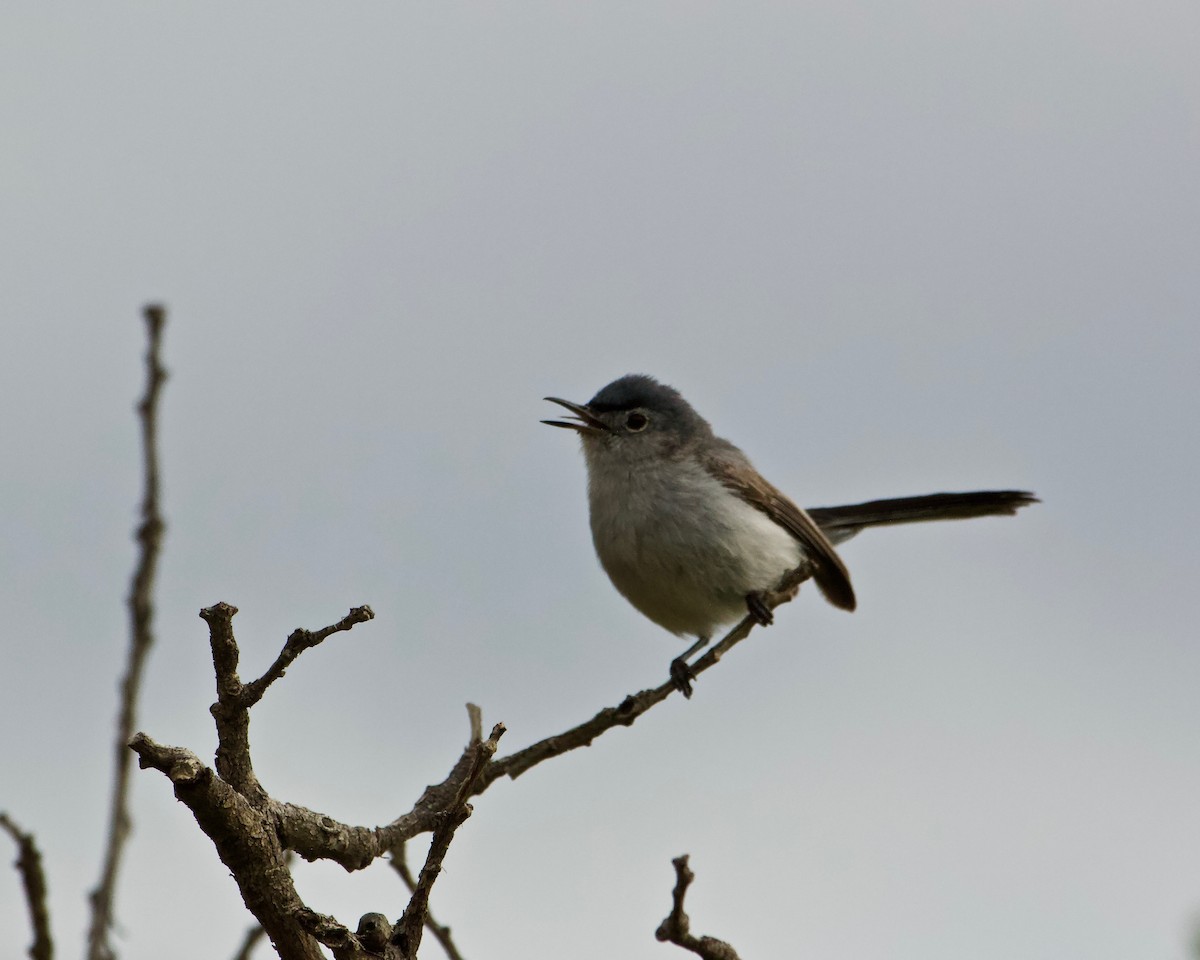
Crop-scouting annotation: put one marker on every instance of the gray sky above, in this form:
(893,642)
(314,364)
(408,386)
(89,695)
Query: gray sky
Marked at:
(887,248)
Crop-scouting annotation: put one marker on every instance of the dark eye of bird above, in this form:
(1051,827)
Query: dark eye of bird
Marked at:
(636,422)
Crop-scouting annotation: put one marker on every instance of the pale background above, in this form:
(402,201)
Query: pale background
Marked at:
(888,248)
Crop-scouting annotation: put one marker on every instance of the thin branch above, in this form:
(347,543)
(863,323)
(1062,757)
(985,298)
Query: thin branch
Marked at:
(141,612)
(231,716)
(317,836)
(399,853)
(234,698)
(441,933)
(230,805)
(377,938)
(33,879)
(633,706)
(676,927)
(299,641)
(251,831)
(408,936)
(251,940)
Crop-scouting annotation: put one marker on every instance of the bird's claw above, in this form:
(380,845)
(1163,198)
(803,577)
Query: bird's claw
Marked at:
(682,676)
(759,610)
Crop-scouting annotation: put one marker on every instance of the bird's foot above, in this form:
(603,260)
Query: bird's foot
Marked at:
(682,676)
(759,610)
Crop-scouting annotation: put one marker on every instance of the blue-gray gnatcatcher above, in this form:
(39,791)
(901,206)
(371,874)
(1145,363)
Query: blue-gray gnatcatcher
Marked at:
(693,536)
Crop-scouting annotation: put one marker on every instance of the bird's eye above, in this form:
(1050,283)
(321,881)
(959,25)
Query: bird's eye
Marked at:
(636,422)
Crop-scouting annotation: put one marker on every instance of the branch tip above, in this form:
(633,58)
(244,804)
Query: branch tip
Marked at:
(148,535)
(219,611)
(475,719)
(676,928)
(156,316)
(33,882)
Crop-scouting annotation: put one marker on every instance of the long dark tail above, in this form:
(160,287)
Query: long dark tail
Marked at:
(841,523)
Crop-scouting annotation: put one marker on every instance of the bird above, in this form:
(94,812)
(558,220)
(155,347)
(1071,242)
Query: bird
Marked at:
(694,537)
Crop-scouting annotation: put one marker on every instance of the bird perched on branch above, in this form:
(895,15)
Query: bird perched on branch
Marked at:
(690,533)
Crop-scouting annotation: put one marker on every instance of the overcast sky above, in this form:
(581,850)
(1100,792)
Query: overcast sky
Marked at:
(887,248)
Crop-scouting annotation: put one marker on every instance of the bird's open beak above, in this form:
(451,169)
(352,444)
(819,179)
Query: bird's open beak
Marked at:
(584,420)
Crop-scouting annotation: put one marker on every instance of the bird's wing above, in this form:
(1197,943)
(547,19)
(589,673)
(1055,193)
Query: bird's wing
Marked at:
(731,467)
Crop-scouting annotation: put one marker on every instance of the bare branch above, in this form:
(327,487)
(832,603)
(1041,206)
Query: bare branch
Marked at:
(676,927)
(251,831)
(231,716)
(316,836)
(633,706)
(441,933)
(245,842)
(141,612)
(234,698)
(33,879)
(475,719)
(408,937)
(251,940)
(299,641)
(373,940)
(338,938)
(376,937)
(254,935)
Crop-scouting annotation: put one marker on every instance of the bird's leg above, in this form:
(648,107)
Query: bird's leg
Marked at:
(759,610)
(681,672)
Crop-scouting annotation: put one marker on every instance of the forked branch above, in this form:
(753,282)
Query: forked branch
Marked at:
(253,832)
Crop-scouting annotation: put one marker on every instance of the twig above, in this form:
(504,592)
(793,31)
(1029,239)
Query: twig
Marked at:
(441,933)
(633,706)
(400,852)
(33,879)
(234,698)
(676,927)
(297,642)
(317,836)
(141,612)
(410,926)
(251,831)
(249,942)
(375,936)
(230,805)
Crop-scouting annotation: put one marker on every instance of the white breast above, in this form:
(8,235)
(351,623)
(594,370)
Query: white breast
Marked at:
(680,546)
